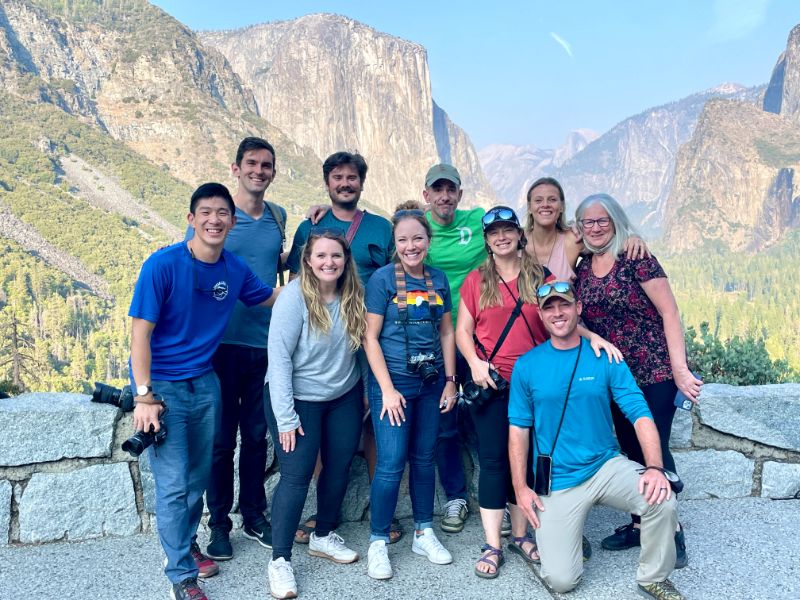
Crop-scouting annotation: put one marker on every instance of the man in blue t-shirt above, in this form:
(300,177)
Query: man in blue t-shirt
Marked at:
(240,362)
(370,235)
(181,305)
(563,391)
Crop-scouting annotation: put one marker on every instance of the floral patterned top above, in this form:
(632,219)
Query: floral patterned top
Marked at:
(617,308)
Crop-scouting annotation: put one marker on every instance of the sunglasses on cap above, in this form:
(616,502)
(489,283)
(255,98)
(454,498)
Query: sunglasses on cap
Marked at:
(562,287)
(409,212)
(497,215)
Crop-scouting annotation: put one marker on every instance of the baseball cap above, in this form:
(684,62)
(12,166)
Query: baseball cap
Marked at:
(442,171)
(500,214)
(555,289)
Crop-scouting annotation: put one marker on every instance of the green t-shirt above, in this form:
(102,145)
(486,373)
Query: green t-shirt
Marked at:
(457,249)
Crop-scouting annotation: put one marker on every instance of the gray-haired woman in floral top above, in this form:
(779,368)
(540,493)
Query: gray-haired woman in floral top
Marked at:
(629,302)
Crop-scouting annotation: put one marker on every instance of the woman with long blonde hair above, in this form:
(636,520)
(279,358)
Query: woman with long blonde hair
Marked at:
(316,398)
(499,321)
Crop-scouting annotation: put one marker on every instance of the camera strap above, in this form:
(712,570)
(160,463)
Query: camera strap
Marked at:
(528,325)
(402,300)
(564,410)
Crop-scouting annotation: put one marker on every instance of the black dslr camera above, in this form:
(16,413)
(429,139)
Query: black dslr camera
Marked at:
(142,440)
(425,365)
(123,399)
(107,394)
(475,394)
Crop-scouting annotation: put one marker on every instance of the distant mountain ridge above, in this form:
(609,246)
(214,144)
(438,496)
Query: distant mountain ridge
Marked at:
(331,83)
(635,160)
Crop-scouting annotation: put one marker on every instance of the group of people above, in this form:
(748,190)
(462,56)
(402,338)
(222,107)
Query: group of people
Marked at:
(384,332)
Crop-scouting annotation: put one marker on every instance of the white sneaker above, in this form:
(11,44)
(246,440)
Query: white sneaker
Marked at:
(378,565)
(281,579)
(429,545)
(331,547)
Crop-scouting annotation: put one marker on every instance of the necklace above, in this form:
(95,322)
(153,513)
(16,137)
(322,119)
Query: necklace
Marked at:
(552,247)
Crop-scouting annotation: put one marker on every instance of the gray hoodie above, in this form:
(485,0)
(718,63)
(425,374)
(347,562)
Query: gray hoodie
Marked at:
(304,364)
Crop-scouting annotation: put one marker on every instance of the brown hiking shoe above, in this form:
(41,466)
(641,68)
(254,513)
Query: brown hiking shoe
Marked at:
(660,590)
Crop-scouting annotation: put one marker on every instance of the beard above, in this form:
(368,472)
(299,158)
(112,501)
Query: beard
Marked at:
(345,204)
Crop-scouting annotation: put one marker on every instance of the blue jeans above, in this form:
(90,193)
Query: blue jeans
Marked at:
(413,441)
(181,466)
(241,371)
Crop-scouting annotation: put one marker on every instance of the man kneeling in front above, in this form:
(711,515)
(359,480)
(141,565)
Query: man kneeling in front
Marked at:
(562,391)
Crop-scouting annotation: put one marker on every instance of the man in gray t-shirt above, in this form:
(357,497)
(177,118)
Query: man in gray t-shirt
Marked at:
(241,359)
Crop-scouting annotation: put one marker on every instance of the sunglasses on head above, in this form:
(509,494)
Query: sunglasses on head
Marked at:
(498,214)
(409,212)
(562,287)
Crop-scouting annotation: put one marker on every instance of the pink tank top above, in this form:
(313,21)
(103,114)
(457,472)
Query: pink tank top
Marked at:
(559,263)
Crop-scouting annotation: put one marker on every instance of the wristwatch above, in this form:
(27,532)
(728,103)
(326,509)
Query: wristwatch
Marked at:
(451,378)
(143,390)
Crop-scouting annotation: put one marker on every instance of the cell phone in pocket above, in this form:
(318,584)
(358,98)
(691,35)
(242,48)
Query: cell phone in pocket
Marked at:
(544,468)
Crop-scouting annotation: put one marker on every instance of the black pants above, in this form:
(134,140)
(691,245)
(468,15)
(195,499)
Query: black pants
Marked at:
(660,398)
(241,371)
(332,430)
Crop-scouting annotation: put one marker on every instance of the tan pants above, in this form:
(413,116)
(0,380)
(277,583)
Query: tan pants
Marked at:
(616,485)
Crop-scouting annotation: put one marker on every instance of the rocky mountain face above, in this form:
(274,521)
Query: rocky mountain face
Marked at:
(511,169)
(635,160)
(783,93)
(736,181)
(137,74)
(331,83)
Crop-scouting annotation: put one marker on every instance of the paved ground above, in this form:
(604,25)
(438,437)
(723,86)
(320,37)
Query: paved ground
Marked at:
(738,549)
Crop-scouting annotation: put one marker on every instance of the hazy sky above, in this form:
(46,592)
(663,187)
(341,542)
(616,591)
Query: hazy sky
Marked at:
(528,72)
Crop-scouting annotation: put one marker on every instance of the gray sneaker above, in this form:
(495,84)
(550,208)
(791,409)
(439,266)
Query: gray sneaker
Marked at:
(455,514)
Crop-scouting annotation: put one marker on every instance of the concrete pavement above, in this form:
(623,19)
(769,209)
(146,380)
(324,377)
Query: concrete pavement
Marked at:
(738,549)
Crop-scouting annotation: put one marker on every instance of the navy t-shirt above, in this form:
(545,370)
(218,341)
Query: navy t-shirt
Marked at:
(423,333)
(258,243)
(191,303)
(372,246)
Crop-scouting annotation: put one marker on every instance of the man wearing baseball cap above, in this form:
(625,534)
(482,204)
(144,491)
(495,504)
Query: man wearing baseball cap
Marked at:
(456,248)
(561,390)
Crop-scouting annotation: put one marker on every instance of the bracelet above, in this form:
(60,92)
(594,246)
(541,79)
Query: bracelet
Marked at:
(451,378)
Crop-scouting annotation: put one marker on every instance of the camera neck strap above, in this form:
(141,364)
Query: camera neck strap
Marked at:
(564,410)
(506,330)
(516,299)
(402,300)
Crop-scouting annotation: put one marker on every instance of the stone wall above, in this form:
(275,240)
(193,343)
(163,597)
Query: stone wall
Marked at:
(63,475)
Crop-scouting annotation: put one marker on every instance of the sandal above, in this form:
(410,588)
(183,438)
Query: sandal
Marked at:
(488,553)
(515,545)
(396,532)
(304,530)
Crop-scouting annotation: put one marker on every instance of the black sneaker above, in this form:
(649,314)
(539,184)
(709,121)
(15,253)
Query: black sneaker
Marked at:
(261,532)
(188,589)
(623,538)
(219,546)
(681,560)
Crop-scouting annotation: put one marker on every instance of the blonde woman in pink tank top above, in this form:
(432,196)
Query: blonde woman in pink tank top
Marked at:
(551,240)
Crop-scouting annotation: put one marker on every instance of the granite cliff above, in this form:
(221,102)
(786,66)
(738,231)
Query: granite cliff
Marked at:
(331,83)
(736,181)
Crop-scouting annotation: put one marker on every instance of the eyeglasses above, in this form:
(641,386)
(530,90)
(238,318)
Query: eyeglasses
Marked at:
(602,222)
(219,291)
(562,287)
(498,214)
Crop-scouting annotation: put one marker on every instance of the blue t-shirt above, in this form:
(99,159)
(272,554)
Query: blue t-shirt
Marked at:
(372,246)
(190,302)
(258,243)
(423,333)
(538,389)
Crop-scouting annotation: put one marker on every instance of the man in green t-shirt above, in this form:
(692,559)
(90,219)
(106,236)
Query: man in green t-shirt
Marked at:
(457,247)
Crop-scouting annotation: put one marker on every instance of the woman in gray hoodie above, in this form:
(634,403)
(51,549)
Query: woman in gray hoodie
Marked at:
(317,398)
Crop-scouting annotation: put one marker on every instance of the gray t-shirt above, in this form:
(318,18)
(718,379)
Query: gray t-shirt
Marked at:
(305,364)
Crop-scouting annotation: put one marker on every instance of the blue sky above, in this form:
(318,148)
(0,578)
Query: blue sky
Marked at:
(529,72)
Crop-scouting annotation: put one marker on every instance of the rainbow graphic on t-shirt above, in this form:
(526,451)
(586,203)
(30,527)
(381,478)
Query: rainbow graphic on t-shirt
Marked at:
(419,297)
